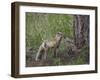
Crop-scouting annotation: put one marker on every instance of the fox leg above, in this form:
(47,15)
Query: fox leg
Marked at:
(38,54)
(45,54)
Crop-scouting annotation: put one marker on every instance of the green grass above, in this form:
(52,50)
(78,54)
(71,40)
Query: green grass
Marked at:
(41,26)
(44,26)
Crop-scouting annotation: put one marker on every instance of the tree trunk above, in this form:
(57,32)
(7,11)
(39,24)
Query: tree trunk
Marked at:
(81,30)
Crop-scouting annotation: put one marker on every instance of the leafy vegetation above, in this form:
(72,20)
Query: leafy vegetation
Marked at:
(42,26)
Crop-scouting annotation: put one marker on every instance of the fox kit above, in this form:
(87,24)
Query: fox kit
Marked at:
(47,44)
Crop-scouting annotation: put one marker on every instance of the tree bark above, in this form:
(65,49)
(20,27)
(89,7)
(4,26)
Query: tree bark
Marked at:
(81,30)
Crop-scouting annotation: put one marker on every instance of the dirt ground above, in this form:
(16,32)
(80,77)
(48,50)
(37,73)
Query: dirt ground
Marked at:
(61,59)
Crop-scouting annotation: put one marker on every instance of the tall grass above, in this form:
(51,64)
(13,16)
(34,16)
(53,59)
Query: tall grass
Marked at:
(41,26)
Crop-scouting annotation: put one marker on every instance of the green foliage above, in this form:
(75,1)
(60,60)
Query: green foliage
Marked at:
(57,61)
(44,26)
(82,57)
(41,26)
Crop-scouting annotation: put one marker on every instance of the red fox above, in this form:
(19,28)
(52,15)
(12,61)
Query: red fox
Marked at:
(47,44)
